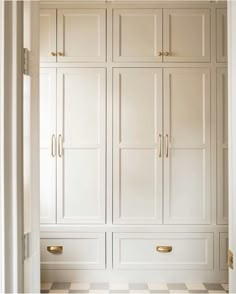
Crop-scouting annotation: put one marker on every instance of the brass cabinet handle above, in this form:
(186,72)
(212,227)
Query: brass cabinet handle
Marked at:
(167,146)
(53,145)
(53,54)
(167,53)
(160,53)
(55,249)
(60,53)
(160,145)
(60,145)
(164,249)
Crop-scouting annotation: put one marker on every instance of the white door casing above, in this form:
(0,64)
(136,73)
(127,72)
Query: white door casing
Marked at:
(48,142)
(187,194)
(31,150)
(137,161)
(81,121)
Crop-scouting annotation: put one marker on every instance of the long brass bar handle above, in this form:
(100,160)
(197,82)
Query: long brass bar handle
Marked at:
(55,249)
(60,145)
(53,144)
(167,146)
(164,249)
(160,145)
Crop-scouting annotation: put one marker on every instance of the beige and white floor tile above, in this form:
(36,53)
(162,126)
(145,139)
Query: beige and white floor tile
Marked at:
(118,286)
(195,286)
(46,286)
(156,286)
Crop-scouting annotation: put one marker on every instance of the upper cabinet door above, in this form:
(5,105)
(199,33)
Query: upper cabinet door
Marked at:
(48,50)
(186,35)
(222,145)
(137,35)
(48,145)
(81,35)
(137,146)
(221,35)
(187,193)
(81,127)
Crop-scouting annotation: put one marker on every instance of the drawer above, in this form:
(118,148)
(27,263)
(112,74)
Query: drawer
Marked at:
(224,250)
(79,251)
(139,251)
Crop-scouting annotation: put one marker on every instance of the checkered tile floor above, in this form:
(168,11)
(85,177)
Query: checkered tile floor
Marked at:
(105,288)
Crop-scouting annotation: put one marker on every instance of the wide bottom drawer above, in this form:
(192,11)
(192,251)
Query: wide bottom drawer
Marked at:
(163,250)
(73,251)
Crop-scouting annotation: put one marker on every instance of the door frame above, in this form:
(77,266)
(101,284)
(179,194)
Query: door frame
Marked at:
(11,148)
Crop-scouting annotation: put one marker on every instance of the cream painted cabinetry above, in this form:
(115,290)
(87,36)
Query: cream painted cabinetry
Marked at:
(48,132)
(73,148)
(86,27)
(133,141)
(169,35)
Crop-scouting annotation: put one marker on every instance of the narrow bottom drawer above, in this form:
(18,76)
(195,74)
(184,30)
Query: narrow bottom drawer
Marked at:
(73,251)
(185,250)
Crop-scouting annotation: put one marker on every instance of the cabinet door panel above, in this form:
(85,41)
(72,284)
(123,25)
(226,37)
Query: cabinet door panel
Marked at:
(81,122)
(81,35)
(222,145)
(48,35)
(47,130)
(221,35)
(187,35)
(187,164)
(137,166)
(137,34)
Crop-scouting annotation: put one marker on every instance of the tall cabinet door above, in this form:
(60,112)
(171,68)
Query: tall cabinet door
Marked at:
(48,50)
(81,35)
(187,146)
(48,145)
(137,146)
(81,125)
(137,35)
(222,145)
(186,35)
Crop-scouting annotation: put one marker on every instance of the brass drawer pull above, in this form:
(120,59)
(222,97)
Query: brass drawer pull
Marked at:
(55,249)
(160,145)
(60,53)
(164,249)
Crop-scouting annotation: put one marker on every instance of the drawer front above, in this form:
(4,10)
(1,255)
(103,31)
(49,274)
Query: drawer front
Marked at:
(139,251)
(79,251)
(224,250)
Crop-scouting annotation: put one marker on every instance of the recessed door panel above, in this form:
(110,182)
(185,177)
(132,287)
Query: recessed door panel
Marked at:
(81,160)
(186,35)
(48,50)
(187,146)
(81,35)
(221,35)
(48,145)
(137,165)
(137,34)
(222,145)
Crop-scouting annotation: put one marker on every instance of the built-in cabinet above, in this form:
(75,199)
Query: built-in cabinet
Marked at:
(87,29)
(166,34)
(133,141)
